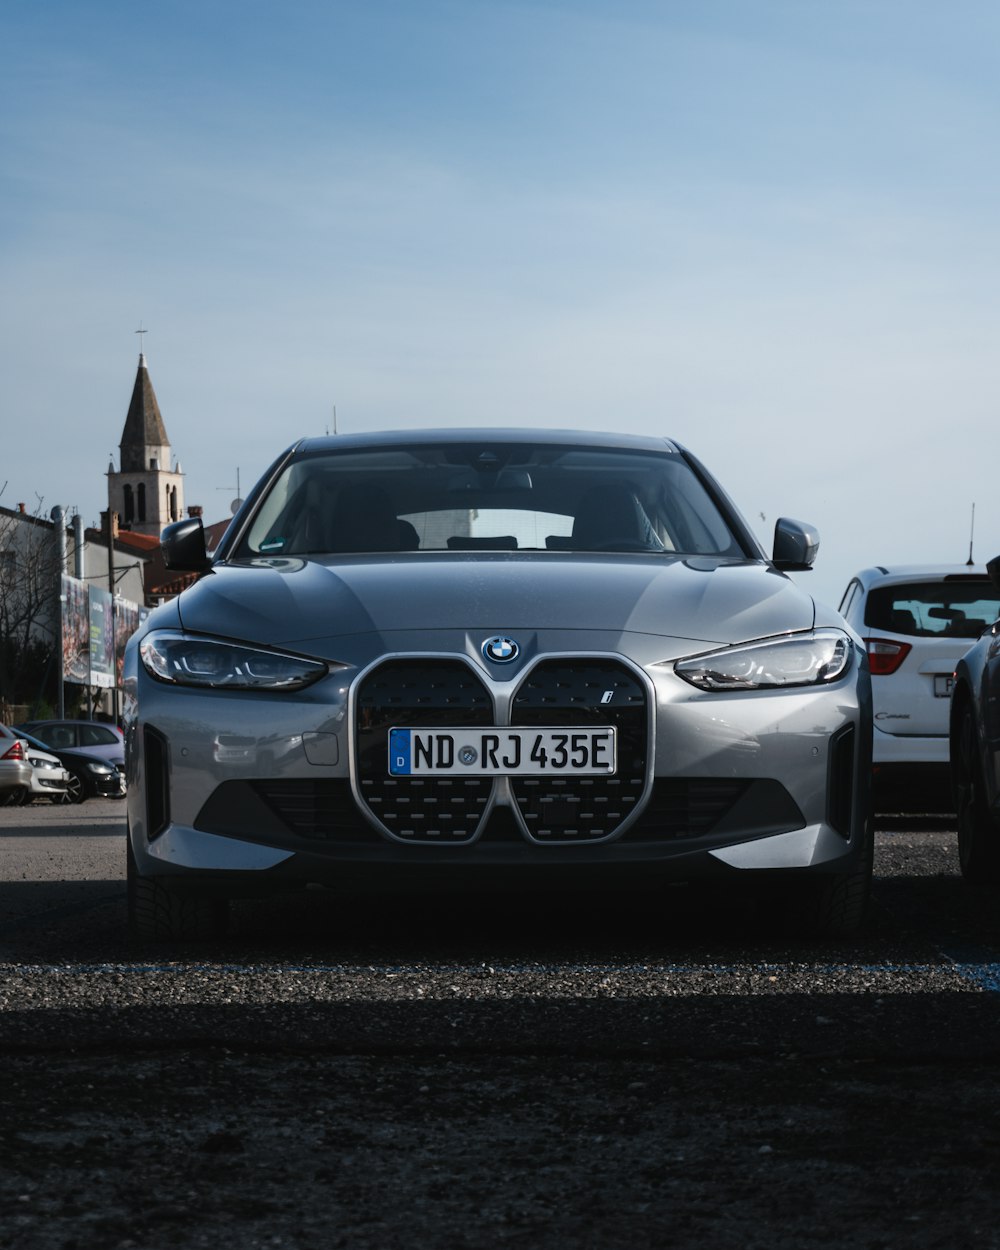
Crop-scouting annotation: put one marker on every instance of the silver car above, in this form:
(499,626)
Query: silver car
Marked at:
(49,778)
(493,659)
(15,771)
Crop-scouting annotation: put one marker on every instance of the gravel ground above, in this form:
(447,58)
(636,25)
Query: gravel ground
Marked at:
(477,1078)
(224,1149)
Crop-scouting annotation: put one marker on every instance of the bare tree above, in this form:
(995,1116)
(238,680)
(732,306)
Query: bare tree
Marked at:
(29,600)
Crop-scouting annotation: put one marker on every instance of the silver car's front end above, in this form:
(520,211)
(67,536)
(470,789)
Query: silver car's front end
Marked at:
(500,657)
(297,785)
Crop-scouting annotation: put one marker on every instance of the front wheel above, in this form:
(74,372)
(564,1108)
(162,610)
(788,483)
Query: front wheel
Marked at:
(159,911)
(76,791)
(831,905)
(978,835)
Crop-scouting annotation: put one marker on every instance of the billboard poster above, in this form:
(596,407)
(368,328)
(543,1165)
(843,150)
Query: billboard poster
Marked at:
(75,631)
(127,617)
(102,638)
(93,651)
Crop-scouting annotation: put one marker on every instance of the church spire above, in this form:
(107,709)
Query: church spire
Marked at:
(144,438)
(147,492)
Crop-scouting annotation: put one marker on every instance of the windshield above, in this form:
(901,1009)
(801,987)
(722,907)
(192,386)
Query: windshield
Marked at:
(488,497)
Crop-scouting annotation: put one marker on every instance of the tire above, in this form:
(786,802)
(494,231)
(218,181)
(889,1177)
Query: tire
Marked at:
(978,834)
(76,791)
(159,912)
(16,798)
(831,905)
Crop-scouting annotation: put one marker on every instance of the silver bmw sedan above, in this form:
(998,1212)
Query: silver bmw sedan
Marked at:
(493,658)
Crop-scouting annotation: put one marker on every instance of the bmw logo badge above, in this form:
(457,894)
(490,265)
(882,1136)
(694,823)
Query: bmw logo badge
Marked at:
(501,650)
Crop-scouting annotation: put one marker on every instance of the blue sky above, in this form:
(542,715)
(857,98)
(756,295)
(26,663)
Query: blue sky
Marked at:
(769,230)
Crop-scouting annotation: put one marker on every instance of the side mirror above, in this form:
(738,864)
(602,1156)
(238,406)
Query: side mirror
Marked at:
(993,568)
(796,545)
(183,546)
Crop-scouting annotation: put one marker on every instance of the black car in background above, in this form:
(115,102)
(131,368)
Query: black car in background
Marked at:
(91,774)
(974,740)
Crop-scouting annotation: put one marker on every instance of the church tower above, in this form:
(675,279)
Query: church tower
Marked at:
(148,490)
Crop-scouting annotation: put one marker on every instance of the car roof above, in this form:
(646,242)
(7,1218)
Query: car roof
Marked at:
(881,574)
(479,434)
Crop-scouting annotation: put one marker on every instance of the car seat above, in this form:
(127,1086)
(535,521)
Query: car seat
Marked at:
(610,517)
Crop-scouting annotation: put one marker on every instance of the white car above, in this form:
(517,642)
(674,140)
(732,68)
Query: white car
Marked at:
(49,778)
(917,621)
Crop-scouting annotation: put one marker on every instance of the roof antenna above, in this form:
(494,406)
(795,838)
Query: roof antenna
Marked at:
(972,531)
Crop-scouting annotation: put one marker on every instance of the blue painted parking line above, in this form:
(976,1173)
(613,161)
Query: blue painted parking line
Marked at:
(975,965)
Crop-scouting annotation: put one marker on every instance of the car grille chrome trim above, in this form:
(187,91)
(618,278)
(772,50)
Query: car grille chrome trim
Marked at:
(424,691)
(578,692)
(571,690)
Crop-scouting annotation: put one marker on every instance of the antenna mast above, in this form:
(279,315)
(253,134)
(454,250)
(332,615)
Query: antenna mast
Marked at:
(972,532)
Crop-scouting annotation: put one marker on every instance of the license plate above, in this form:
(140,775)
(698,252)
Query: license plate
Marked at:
(493,752)
(943,686)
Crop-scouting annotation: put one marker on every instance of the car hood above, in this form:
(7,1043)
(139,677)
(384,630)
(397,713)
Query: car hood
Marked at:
(293,602)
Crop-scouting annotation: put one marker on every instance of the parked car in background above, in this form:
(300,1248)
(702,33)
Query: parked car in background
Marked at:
(974,739)
(99,766)
(15,771)
(917,621)
(50,779)
(494,659)
(90,776)
(95,737)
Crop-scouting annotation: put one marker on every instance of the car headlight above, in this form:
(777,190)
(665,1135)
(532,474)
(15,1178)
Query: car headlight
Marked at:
(101,769)
(796,660)
(37,763)
(186,660)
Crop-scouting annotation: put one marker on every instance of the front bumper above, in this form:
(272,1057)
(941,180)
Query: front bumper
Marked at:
(903,749)
(255,790)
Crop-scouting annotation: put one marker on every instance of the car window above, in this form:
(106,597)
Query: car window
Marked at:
(468,497)
(59,736)
(961,607)
(97,736)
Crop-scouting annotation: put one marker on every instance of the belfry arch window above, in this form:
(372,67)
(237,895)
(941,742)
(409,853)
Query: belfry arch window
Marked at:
(129,506)
(140,491)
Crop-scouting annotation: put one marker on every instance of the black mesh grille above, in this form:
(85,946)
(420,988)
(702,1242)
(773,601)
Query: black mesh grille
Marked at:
(580,693)
(318,810)
(686,807)
(279,810)
(420,693)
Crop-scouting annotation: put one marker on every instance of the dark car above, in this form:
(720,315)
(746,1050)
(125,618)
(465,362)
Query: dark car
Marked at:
(96,746)
(494,658)
(975,754)
(91,776)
